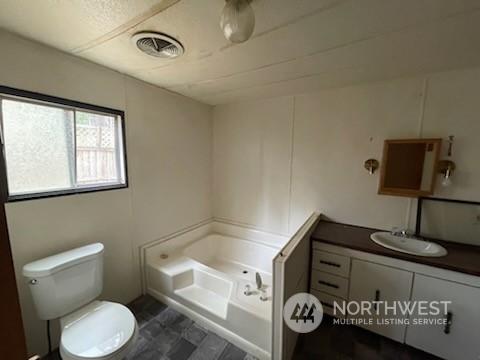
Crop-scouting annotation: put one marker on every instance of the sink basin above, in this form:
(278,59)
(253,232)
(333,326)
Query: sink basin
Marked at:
(408,245)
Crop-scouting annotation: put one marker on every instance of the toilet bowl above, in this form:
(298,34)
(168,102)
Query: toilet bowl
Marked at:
(65,286)
(101,330)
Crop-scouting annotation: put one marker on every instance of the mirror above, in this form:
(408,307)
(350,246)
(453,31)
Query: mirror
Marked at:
(408,167)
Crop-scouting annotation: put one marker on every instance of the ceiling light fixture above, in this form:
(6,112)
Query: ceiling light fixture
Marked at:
(237,20)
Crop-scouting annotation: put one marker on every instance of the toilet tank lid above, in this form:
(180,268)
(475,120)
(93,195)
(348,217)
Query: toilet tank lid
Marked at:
(54,263)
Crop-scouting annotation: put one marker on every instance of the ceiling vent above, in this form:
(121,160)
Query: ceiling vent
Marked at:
(157,45)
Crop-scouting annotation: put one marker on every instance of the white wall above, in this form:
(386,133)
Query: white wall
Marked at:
(169,160)
(334,132)
(252,163)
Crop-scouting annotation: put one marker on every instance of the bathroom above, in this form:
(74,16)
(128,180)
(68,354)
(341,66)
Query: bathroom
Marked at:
(269,141)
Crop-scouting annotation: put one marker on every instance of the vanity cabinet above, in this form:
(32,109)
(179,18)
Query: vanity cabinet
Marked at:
(375,282)
(460,337)
(347,252)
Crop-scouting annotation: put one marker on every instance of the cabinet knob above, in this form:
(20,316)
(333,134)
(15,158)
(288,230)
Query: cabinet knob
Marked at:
(326,304)
(377,298)
(329,284)
(448,323)
(329,263)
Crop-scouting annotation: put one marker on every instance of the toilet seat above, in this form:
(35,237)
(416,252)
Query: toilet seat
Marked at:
(99,331)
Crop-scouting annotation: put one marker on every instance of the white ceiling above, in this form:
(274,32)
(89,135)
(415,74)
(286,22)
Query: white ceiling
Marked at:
(298,45)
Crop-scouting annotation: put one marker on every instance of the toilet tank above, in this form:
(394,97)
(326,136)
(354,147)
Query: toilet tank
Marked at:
(65,282)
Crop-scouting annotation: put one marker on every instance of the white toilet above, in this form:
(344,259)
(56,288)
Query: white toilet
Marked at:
(65,286)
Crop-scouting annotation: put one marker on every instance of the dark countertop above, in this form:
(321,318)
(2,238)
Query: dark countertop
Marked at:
(460,257)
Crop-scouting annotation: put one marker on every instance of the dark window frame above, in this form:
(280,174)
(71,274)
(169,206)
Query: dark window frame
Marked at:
(77,105)
(422,199)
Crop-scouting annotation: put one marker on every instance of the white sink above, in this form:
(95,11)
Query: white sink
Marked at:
(408,245)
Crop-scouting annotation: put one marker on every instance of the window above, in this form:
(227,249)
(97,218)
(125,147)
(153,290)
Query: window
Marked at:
(55,146)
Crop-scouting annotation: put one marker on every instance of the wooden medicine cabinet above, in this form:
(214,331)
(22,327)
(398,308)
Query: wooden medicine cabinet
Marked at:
(409,167)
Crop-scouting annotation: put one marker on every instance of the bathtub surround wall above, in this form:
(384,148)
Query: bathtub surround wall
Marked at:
(169,162)
(277,160)
(252,160)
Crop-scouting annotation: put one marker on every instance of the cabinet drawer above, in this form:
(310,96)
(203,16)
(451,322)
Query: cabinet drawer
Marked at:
(327,302)
(331,284)
(331,263)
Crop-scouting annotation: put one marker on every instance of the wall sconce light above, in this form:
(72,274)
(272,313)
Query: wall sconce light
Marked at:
(447,167)
(371,165)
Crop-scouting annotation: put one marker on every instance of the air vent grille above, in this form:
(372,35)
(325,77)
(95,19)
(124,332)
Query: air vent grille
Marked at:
(158,45)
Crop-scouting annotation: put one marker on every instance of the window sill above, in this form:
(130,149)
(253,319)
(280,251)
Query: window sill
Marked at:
(76,191)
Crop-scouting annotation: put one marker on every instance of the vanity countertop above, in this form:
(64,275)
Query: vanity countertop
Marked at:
(460,257)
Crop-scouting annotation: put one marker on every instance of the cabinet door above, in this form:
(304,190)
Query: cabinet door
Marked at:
(459,340)
(374,282)
(290,276)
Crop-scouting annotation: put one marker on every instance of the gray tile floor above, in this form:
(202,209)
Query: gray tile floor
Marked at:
(165,334)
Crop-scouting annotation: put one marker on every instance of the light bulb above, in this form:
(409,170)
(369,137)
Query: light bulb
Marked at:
(237,20)
(446,181)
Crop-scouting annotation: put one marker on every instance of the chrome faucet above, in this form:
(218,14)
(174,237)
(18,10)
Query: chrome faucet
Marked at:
(248,290)
(259,281)
(401,232)
(263,295)
(261,288)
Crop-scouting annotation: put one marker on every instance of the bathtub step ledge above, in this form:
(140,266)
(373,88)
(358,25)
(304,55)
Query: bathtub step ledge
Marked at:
(205,299)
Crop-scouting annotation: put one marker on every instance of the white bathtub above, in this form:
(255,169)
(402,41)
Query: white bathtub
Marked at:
(206,279)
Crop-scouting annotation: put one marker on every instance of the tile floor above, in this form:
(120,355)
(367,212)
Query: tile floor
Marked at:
(166,334)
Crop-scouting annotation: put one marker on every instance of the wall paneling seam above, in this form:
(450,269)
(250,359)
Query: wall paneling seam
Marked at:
(292,139)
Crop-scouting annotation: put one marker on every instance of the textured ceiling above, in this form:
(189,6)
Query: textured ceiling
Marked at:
(297,46)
